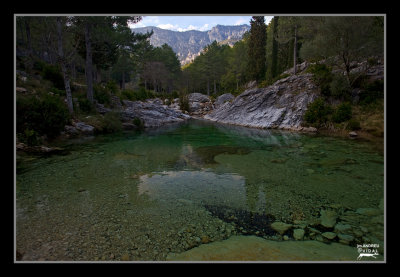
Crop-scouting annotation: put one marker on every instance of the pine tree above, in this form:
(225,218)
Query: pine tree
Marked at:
(256,50)
(274,57)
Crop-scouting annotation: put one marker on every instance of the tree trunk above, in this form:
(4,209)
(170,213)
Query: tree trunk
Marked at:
(29,63)
(274,62)
(63,66)
(295,51)
(208,87)
(28,37)
(215,87)
(123,80)
(346,61)
(89,63)
(73,73)
(98,75)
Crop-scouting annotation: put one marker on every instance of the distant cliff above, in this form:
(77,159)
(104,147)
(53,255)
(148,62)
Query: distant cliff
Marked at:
(187,45)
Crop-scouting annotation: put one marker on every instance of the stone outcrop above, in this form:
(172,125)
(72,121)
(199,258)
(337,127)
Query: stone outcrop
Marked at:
(199,104)
(150,113)
(281,105)
(222,99)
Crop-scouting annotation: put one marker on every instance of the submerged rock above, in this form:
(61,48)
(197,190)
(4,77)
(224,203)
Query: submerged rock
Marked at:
(207,154)
(298,234)
(281,227)
(329,235)
(328,218)
(342,228)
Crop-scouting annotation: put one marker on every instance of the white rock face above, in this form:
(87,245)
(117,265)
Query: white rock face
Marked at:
(281,105)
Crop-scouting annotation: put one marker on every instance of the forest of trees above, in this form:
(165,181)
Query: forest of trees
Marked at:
(105,49)
(267,51)
(94,50)
(86,59)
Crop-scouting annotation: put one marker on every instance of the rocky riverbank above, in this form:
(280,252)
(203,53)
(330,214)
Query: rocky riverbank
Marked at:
(280,106)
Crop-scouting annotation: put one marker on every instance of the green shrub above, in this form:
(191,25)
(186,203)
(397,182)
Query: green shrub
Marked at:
(112,87)
(46,115)
(372,92)
(340,88)
(322,76)
(128,94)
(342,113)
(353,125)
(139,123)
(136,95)
(30,137)
(372,61)
(184,102)
(111,123)
(39,65)
(317,112)
(58,91)
(101,94)
(85,106)
(53,74)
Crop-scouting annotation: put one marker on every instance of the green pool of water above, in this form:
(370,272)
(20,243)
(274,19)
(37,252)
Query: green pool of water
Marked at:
(144,195)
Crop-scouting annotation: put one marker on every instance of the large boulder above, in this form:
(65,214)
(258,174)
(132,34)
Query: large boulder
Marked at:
(198,97)
(83,128)
(281,105)
(151,114)
(199,104)
(222,99)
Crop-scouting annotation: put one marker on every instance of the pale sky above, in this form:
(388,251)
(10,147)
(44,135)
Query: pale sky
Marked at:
(183,23)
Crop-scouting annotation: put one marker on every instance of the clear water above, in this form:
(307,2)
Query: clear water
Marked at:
(143,195)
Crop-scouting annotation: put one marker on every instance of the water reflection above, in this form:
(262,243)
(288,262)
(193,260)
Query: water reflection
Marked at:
(200,187)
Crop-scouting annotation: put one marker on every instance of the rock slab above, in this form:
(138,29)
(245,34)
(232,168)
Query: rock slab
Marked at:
(280,227)
(281,105)
(152,114)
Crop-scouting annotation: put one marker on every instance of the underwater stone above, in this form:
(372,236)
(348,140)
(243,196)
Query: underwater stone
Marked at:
(346,238)
(329,235)
(328,218)
(280,227)
(342,228)
(298,234)
(368,211)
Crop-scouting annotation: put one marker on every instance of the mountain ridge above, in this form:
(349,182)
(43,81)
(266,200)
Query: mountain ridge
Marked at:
(189,44)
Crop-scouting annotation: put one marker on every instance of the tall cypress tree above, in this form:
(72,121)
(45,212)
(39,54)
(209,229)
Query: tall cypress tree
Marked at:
(256,50)
(274,56)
